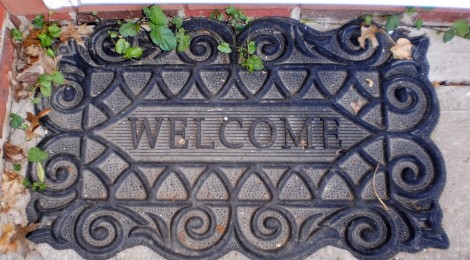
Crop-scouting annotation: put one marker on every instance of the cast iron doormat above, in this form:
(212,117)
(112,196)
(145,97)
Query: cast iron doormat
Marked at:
(192,156)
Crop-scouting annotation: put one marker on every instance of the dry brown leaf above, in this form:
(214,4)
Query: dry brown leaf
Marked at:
(32,38)
(21,94)
(30,74)
(33,51)
(76,33)
(34,120)
(402,49)
(436,84)
(14,236)
(370,82)
(48,63)
(357,105)
(13,153)
(368,33)
(12,184)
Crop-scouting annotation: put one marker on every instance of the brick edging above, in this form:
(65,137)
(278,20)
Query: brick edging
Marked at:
(303,11)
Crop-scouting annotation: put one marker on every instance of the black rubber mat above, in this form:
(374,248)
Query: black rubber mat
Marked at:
(192,156)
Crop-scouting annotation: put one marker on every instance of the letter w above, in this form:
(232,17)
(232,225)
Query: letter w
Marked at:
(137,135)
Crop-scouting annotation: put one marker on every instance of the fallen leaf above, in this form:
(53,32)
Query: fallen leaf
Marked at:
(21,94)
(6,243)
(402,50)
(14,237)
(76,33)
(33,51)
(48,63)
(370,82)
(34,120)
(32,38)
(30,74)
(13,153)
(368,32)
(436,84)
(12,184)
(357,105)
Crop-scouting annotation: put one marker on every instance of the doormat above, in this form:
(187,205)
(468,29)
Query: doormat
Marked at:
(193,156)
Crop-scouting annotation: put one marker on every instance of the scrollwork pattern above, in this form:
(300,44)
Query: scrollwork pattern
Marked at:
(283,209)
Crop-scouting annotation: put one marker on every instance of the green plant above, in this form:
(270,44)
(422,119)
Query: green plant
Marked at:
(45,82)
(235,17)
(48,34)
(238,20)
(37,155)
(159,28)
(460,27)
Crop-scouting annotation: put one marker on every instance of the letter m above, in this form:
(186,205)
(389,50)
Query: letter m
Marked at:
(297,140)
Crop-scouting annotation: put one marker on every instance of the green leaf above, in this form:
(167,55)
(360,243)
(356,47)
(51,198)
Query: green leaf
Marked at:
(220,17)
(42,186)
(16,120)
(251,47)
(122,45)
(57,77)
(164,38)
(367,19)
(183,40)
(113,34)
(17,167)
(35,101)
(419,23)
(46,91)
(26,183)
(231,10)
(24,126)
(38,21)
(16,35)
(177,21)
(254,63)
(392,22)
(214,14)
(129,29)
(449,35)
(224,47)
(54,30)
(239,27)
(133,53)
(36,154)
(40,172)
(410,10)
(44,79)
(243,17)
(155,15)
(50,52)
(461,27)
(45,40)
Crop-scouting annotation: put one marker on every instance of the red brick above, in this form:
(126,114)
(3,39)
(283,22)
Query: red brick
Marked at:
(24,7)
(238,6)
(115,15)
(134,7)
(445,15)
(6,60)
(353,7)
(256,13)
(268,12)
